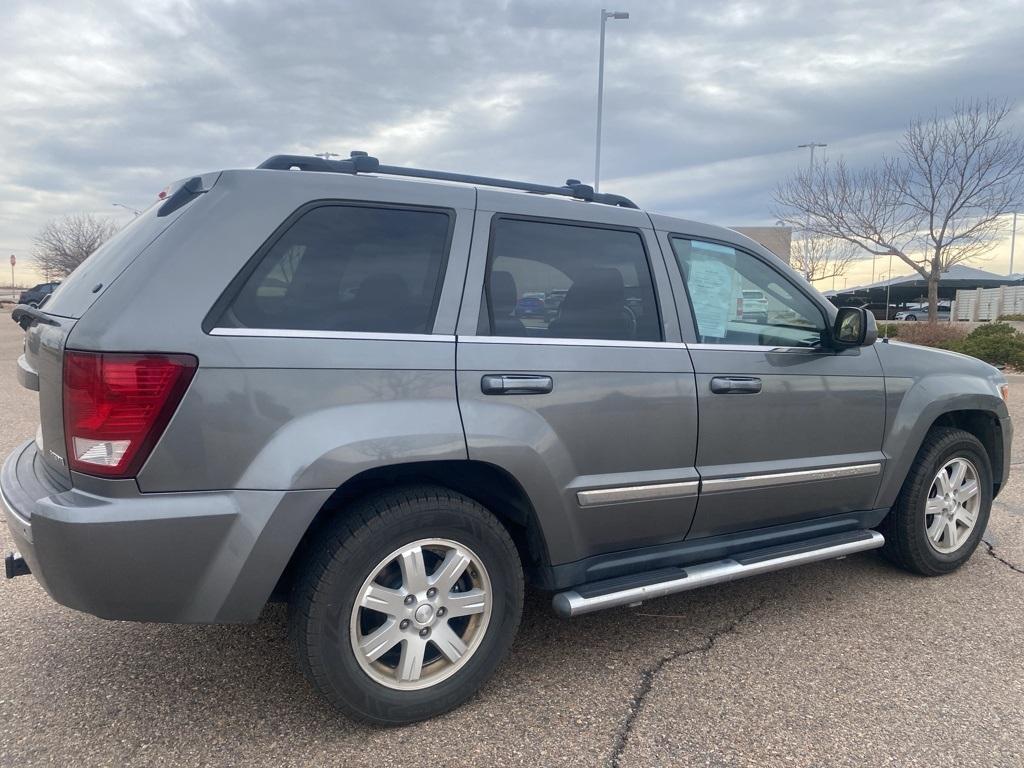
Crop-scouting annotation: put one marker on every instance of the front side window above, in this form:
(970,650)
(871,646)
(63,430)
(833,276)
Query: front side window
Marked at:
(349,268)
(568,281)
(738,299)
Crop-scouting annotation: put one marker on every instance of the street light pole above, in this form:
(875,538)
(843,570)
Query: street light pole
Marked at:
(326,155)
(605,15)
(812,145)
(807,222)
(1013,240)
(126,207)
(888,289)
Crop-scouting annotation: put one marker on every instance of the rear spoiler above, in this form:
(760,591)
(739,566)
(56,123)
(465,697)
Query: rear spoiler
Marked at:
(185,192)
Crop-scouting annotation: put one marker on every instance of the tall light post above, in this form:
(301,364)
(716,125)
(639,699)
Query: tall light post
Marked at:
(812,145)
(888,289)
(1013,240)
(126,207)
(605,15)
(326,155)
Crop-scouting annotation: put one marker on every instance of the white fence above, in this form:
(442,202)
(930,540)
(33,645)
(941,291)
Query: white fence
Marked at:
(989,303)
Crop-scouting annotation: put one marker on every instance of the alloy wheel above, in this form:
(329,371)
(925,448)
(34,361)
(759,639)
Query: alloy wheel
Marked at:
(421,614)
(954,501)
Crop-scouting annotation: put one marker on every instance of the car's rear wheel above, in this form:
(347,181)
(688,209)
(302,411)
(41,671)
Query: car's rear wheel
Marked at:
(944,505)
(406,604)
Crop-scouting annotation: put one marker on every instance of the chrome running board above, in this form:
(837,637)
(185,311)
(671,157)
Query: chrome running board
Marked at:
(631,590)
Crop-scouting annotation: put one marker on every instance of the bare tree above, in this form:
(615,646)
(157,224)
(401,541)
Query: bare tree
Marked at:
(821,258)
(941,201)
(63,244)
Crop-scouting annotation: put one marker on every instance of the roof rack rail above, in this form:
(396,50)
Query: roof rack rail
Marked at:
(360,162)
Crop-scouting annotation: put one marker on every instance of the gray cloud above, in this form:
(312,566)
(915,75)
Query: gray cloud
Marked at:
(705,101)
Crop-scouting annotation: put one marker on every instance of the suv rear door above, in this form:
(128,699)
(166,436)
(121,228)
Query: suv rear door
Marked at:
(789,430)
(590,404)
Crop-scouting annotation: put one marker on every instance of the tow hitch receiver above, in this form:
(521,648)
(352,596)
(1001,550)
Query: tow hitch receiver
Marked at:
(15,565)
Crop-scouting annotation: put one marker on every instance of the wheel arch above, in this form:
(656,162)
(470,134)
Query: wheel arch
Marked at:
(486,483)
(968,413)
(985,426)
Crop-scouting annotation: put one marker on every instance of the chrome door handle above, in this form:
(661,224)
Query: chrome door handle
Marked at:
(515,384)
(735,385)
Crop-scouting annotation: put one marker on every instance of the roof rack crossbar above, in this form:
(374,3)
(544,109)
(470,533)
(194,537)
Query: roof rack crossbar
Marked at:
(360,162)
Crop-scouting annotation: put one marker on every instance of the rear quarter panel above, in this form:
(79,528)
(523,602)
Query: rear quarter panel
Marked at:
(323,412)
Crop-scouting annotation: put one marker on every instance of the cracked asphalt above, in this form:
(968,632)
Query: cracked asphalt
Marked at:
(844,663)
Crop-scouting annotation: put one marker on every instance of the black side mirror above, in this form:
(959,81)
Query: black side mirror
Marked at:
(854,327)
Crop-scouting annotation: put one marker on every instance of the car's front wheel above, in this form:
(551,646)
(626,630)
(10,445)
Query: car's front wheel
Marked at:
(406,604)
(944,506)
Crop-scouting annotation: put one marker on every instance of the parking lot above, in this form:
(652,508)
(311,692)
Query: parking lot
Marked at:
(842,663)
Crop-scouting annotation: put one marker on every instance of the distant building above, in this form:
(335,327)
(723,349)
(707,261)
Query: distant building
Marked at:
(778,240)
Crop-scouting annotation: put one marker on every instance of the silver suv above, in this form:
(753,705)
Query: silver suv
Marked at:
(319,381)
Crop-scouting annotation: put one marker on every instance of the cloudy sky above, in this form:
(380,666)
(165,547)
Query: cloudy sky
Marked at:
(705,102)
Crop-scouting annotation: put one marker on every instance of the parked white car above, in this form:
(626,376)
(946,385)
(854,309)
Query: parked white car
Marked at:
(920,312)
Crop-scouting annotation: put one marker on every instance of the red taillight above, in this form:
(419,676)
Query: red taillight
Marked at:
(116,406)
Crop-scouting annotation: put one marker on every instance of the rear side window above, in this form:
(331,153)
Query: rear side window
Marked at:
(569,281)
(349,268)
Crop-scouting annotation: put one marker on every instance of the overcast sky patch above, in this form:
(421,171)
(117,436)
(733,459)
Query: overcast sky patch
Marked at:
(704,106)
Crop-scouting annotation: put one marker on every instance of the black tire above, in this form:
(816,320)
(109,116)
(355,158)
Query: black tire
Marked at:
(911,318)
(343,555)
(906,542)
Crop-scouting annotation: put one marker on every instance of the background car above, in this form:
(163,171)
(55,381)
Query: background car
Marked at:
(531,305)
(920,312)
(35,295)
(755,307)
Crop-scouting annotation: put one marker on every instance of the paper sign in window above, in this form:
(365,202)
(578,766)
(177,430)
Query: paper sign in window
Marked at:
(710,284)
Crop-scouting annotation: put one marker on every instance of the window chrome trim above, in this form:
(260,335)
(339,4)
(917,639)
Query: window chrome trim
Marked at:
(294,333)
(783,478)
(544,340)
(602,496)
(759,348)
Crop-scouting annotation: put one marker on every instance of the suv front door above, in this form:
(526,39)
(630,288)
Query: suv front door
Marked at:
(789,429)
(570,376)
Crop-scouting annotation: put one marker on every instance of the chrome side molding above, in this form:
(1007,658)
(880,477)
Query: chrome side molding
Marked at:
(596,597)
(682,490)
(637,493)
(783,478)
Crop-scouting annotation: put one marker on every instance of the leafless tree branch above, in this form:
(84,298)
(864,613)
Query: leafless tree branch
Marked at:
(63,244)
(941,201)
(817,257)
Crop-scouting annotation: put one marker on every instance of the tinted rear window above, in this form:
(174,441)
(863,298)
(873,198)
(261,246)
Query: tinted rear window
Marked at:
(349,268)
(562,280)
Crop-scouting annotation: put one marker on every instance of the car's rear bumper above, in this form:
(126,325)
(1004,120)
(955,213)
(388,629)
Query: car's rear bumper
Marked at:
(181,557)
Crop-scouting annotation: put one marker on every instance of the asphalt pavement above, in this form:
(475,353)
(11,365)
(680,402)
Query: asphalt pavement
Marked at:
(844,663)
